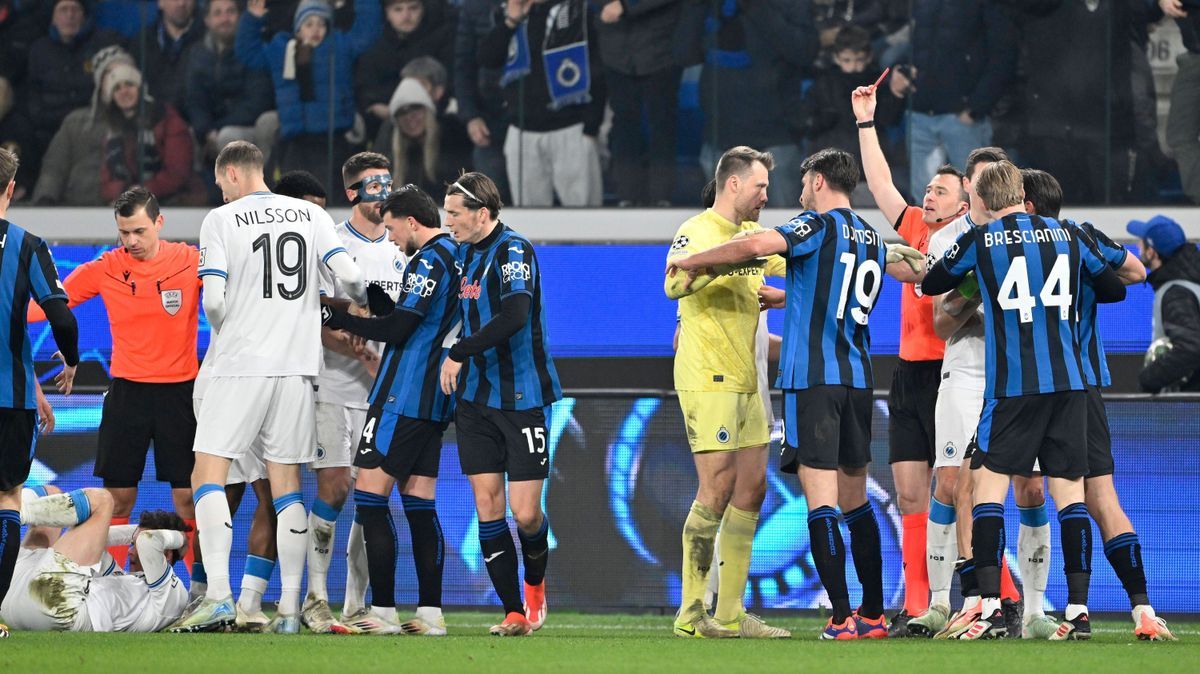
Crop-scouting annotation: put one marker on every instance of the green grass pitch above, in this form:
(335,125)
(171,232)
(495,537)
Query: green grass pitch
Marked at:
(573,642)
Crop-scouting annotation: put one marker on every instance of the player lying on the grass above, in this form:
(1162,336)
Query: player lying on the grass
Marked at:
(402,439)
(827,386)
(1035,402)
(58,584)
(1043,196)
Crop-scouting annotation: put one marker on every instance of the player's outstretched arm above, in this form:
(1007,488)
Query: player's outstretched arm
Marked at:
(732,252)
(394,328)
(875,166)
(938,279)
(350,276)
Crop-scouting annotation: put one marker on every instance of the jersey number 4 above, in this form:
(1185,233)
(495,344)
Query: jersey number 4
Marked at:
(1014,292)
(867,278)
(297,270)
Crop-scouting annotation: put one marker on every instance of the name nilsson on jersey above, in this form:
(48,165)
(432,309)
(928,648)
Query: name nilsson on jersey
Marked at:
(269,216)
(1006,237)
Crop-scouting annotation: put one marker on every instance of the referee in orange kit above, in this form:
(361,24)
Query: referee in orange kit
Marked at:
(152,294)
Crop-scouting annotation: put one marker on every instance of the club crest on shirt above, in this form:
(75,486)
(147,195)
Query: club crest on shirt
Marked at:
(172,300)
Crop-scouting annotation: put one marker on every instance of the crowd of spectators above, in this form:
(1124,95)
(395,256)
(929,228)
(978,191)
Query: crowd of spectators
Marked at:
(587,102)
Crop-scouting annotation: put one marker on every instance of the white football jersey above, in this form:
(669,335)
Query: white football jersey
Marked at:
(345,381)
(269,248)
(123,603)
(964,364)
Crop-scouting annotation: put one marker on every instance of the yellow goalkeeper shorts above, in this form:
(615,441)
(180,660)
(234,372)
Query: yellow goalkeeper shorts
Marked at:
(723,421)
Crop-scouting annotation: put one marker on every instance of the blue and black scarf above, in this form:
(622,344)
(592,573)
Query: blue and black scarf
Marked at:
(564,55)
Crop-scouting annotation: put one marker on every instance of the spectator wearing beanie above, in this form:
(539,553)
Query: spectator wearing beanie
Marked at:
(416,143)
(159,139)
(70,169)
(300,64)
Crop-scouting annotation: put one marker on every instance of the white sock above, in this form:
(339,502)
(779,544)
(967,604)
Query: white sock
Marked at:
(713,586)
(56,510)
(216,538)
(989,606)
(255,580)
(291,540)
(388,613)
(320,548)
(1073,611)
(1033,561)
(941,550)
(431,614)
(356,571)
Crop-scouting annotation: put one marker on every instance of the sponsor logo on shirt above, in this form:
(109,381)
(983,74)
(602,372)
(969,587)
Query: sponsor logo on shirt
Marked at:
(469,291)
(419,284)
(515,271)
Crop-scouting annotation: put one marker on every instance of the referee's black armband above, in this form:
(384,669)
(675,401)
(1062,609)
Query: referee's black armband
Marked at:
(65,329)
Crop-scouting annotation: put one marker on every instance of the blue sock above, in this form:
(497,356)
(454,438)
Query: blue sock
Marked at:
(10,545)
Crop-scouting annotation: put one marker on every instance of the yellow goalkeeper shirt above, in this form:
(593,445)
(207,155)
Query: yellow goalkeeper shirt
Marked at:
(718,322)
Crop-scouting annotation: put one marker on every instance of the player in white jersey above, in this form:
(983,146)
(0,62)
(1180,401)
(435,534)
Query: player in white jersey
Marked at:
(958,319)
(57,584)
(247,469)
(345,381)
(259,255)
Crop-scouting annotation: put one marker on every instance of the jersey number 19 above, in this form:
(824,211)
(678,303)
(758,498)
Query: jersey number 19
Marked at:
(298,269)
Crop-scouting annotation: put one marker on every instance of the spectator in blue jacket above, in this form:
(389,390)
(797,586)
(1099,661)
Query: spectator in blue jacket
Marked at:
(224,99)
(965,54)
(313,71)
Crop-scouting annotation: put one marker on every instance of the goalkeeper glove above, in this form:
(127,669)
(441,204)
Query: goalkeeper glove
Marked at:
(969,286)
(914,258)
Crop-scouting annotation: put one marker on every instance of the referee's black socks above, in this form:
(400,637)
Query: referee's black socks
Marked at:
(534,551)
(500,555)
(428,548)
(1075,527)
(868,558)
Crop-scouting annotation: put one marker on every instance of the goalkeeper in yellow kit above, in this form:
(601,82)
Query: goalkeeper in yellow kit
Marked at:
(725,415)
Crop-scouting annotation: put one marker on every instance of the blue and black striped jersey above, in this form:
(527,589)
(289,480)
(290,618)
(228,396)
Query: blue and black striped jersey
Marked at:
(408,380)
(1028,268)
(26,270)
(1095,365)
(519,374)
(835,267)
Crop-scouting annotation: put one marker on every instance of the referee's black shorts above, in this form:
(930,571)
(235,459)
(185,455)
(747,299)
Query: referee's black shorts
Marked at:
(18,440)
(911,404)
(137,414)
